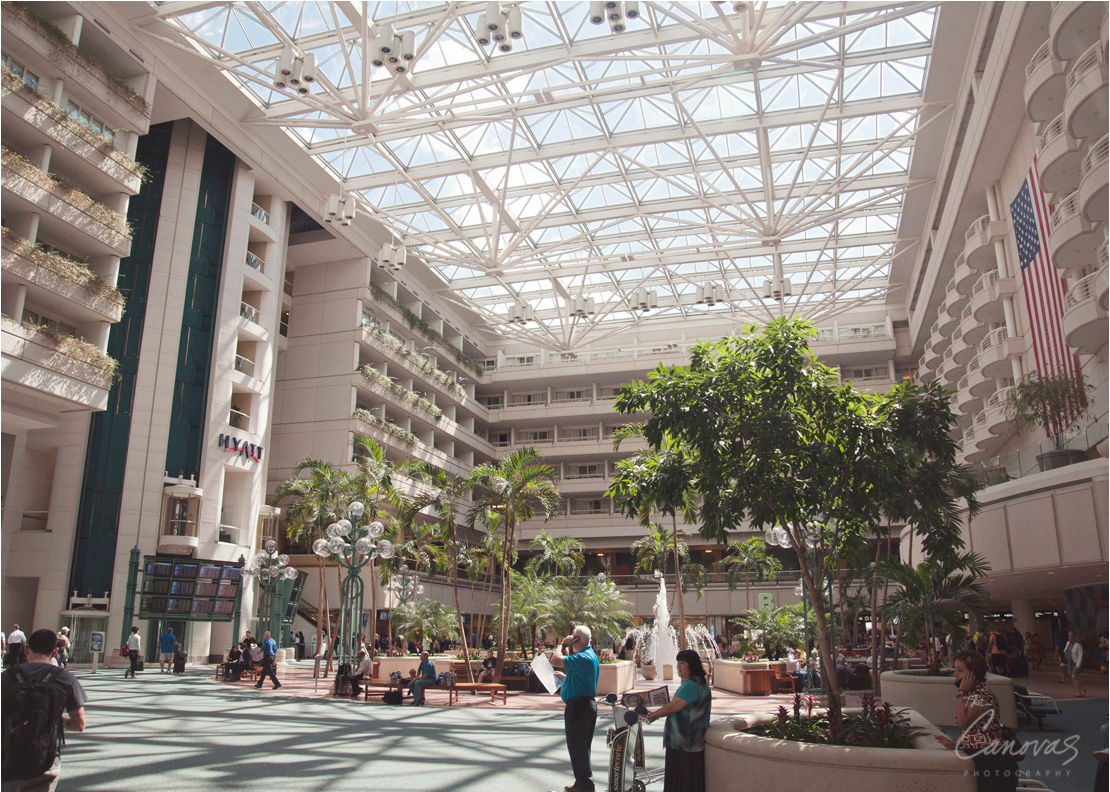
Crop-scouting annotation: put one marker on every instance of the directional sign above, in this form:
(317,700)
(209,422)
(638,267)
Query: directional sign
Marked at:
(96,642)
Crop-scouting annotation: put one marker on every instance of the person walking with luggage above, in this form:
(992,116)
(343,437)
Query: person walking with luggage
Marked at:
(31,750)
(134,652)
(269,656)
(579,691)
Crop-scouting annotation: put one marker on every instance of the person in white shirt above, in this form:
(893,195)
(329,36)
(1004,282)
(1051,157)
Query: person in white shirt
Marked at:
(134,652)
(364,669)
(1073,654)
(17,643)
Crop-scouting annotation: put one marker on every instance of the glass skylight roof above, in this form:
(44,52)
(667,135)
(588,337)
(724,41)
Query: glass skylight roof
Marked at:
(725,143)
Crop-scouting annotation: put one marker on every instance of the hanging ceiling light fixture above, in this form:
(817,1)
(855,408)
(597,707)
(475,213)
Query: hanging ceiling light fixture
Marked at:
(582,306)
(521,313)
(644,299)
(708,294)
(294,71)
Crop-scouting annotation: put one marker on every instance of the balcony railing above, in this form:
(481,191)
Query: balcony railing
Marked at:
(260,213)
(249,312)
(229,534)
(34,521)
(238,419)
(179,528)
(244,365)
(255,263)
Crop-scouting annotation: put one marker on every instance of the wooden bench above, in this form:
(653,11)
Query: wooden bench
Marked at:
(479,687)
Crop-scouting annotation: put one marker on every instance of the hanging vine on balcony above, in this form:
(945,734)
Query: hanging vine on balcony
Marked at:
(63,266)
(395,344)
(383,382)
(422,327)
(404,435)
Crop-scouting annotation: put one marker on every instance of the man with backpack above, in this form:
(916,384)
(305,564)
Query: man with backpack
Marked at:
(39,701)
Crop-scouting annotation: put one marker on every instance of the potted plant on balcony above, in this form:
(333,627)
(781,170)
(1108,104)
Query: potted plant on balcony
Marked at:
(1053,403)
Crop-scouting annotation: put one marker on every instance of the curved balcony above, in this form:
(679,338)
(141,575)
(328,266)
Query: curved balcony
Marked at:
(963,275)
(1059,156)
(971,452)
(945,320)
(931,357)
(924,373)
(996,353)
(979,242)
(1102,282)
(986,298)
(967,402)
(977,382)
(962,351)
(950,369)
(984,440)
(1045,84)
(1085,105)
(998,420)
(1074,238)
(972,328)
(1084,321)
(939,343)
(1093,184)
(1072,27)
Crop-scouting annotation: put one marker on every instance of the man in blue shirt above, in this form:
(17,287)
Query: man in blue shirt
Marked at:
(269,654)
(425,676)
(165,649)
(579,691)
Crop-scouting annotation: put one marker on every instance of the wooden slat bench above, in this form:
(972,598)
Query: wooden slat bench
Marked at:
(475,687)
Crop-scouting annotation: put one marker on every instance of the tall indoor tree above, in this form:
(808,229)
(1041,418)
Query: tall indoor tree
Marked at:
(660,479)
(747,561)
(515,487)
(557,555)
(779,445)
(316,503)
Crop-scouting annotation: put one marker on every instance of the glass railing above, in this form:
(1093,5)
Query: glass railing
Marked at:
(229,534)
(238,419)
(244,365)
(255,263)
(249,312)
(260,213)
(179,528)
(1023,461)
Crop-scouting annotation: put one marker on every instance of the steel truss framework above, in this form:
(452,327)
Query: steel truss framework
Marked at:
(708,143)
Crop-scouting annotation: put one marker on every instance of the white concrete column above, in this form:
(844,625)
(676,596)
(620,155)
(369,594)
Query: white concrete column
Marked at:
(1023,616)
(12,300)
(44,158)
(892,370)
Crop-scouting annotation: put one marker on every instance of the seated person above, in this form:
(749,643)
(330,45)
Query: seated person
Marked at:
(422,677)
(861,678)
(233,666)
(364,668)
(843,673)
(488,666)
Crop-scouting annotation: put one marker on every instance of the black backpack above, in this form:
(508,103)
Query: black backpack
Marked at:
(1000,643)
(32,725)
(393,697)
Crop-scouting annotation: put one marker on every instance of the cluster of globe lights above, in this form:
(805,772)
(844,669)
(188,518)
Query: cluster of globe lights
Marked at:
(406,585)
(778,537)
(338,532)
(268,566)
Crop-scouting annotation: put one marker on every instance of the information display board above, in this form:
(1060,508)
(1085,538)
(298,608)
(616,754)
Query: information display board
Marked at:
(188,589)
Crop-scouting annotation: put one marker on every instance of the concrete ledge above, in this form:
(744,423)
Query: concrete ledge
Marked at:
(729,674)
(617,677)
(768,764)
(935,697)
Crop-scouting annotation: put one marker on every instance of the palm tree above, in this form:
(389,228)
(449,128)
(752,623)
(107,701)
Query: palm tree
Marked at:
(484,563)
(316,501)
(598,604)
(747,560)
(653,551)
(934,595)
(658,480)
(776,629)
(429,618)
(558,556)
(531,605)
(515,486)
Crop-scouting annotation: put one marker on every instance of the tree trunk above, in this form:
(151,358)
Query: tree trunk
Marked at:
(319,622)
(503,610)
(328,651)
(458,609)
(678,586)
(876,642)
(828,659)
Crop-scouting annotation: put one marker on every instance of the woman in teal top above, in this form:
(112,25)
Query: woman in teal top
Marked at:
(684,732)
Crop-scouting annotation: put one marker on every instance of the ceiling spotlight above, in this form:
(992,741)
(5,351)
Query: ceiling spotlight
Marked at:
(582,306)
(708,294)
(645,299)
(294,71)
(481,32)
(516,26)
(631,9)
(521,313)
(776,288)
(597,12)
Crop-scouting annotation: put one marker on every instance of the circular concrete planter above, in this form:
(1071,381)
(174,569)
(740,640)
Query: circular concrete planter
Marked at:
(734,758)
(935,697)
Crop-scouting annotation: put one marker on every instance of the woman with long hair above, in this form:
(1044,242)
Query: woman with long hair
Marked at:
(684,732)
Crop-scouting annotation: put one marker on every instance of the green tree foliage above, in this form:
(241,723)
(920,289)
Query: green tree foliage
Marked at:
(748,561)
(425,618)
(557,556)
(599,605)
(515,487)
(775,629)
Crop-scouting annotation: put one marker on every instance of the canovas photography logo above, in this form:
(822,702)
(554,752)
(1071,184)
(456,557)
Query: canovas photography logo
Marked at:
(1065,748)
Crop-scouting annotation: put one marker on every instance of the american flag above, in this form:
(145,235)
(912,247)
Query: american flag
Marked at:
(1044,288)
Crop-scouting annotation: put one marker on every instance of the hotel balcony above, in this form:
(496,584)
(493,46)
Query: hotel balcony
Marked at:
(971,450)
(1073,26)
(954,300)
(394,351)
(986,300)
(76,149)
(925,364)
(1093,184)
(933,353)
(946,320)
(967,403)
(962,351)
(1102,282)
(950,370)
(1085,105)
(997,352)
(76,292)
(53,373)
(964,276)
(1084,321)
(979,242)
(985,441)
(1059,156)
(997,419)
(259,228)
(1044,84)
(972,328)
(1074,238)
(977,382)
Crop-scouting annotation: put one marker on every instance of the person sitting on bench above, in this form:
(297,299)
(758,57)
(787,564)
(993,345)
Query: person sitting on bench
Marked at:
(488,666)
(363,670)
(233,667)
(422,677)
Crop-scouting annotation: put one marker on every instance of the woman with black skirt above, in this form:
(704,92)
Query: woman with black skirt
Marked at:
(684,732)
